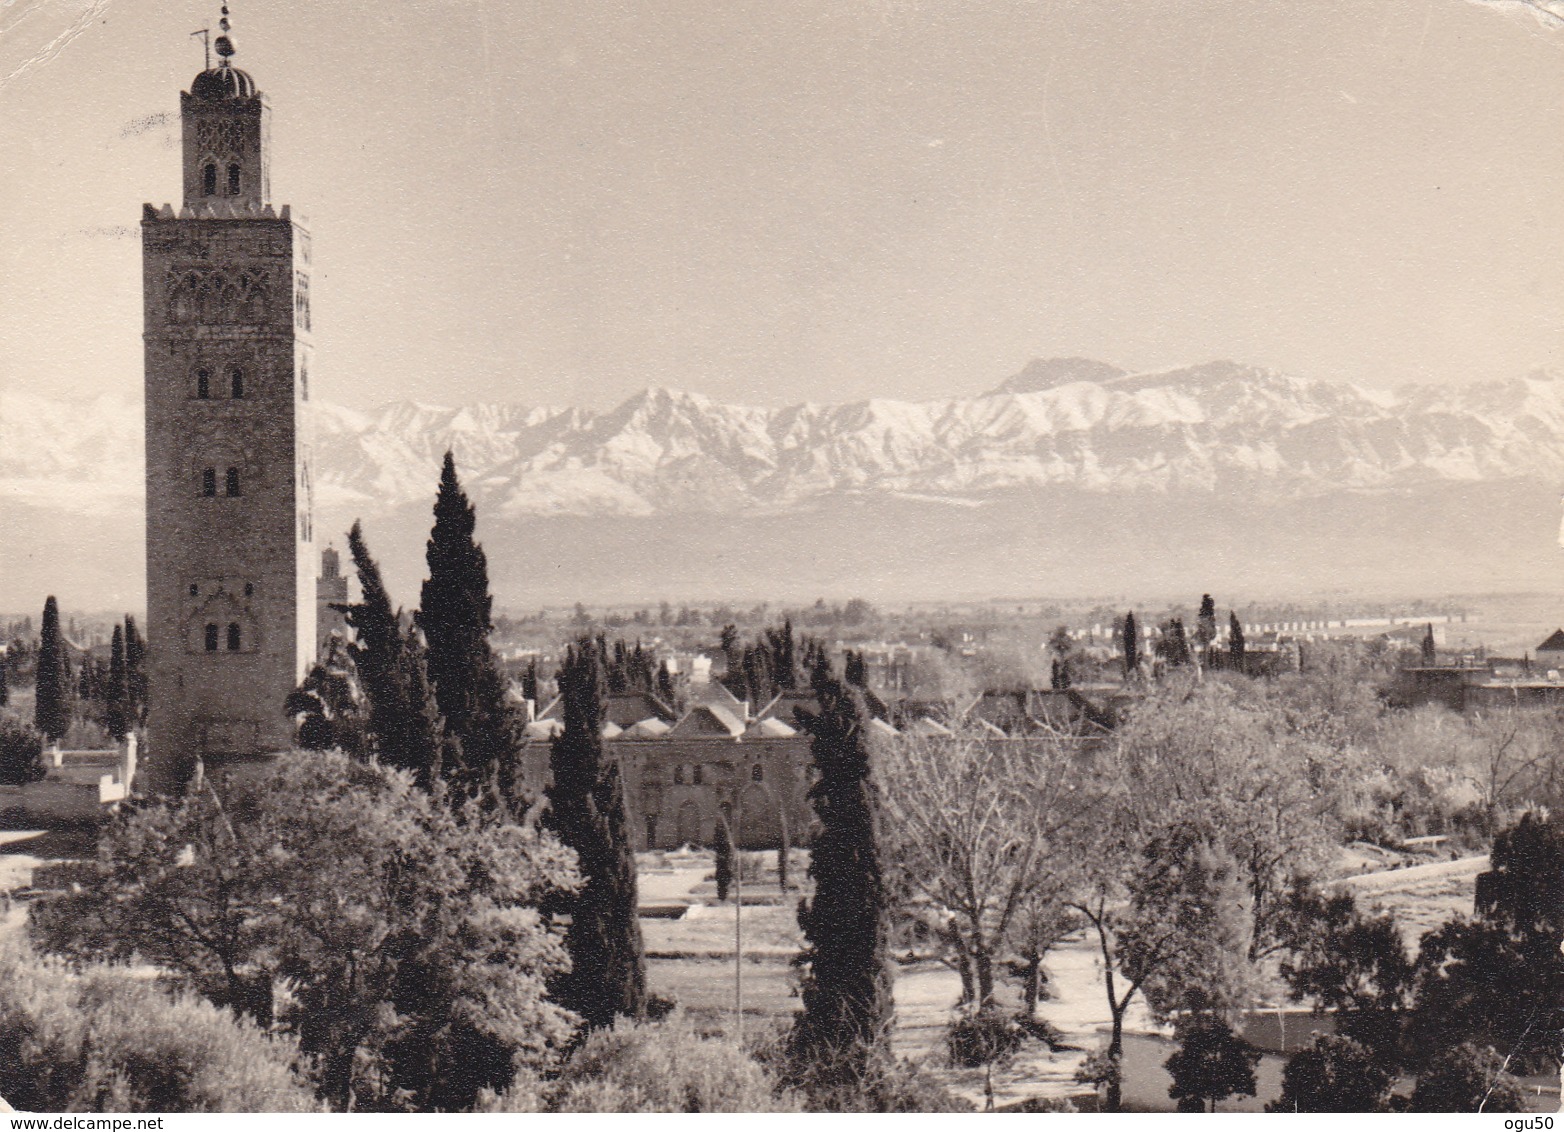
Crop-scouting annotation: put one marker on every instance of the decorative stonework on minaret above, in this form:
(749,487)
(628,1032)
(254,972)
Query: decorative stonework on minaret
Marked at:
(230,555)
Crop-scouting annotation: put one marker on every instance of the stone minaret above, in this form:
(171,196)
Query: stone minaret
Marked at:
(230,554)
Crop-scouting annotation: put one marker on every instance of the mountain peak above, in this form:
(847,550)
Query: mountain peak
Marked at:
(1048,373)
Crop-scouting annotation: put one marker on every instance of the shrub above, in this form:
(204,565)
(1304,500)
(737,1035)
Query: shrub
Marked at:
(105,1042)
(650,1067)
(896,1086)
(1045,1104)
(887,1085)
(1101,1070)
(21,753)
(985,1038)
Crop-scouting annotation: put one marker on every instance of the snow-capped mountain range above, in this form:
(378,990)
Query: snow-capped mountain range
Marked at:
(1067,422)
(1222,432)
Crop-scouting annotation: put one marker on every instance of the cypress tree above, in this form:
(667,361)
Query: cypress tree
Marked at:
(779,643)
(404,727)
(665,685)
(1430,648)
(855,672)
(640,677)
(1131,643)
(454,614)
(587,810)
(1235,642)
(529,682)
(51,711)
(116,697)
(87,682)
(784,851)
(5,687)
(722,850)
(1059,676)
(787,662)
(135,672)
(844,1029)
(1205,622)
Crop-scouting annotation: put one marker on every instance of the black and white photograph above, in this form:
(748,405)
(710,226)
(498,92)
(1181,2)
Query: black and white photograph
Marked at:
(799,556)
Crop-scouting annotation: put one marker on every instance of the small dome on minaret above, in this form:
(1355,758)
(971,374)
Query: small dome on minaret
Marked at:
(224,80)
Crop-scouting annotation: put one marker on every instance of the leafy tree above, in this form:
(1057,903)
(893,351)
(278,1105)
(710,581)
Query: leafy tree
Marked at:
(1333,1074)
(1211,1064)
(1235,643)
(1499,980)
(403,728)
(1130,639)
(607,978)
(398,942)
(21,753)
(51,709)
(1103,900)
(1188,941)
(1352,964)
(1468,1078)
(454,614)
(839,1040)
(329,704)
(117,694)
(1174,645)
(1223,755)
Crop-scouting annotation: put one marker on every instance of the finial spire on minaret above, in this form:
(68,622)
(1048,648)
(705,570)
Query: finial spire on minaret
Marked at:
(224,45)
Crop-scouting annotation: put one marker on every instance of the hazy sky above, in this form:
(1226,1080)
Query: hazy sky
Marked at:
(771,201)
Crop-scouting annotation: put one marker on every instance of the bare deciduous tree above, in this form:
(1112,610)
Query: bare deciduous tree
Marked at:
(981,826)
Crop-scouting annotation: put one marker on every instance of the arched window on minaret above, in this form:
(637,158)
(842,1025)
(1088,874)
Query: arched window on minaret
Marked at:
(209,180)
(232,485)
(203,383)
(209,481)
(233,180)
(211,638)
(236,384)
(233,636)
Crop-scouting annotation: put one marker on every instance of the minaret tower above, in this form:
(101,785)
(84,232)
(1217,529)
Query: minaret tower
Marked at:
(230,554)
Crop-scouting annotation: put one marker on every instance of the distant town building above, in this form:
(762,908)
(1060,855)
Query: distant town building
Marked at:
(331,589)
(1550,654)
